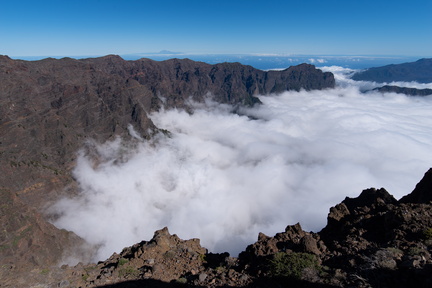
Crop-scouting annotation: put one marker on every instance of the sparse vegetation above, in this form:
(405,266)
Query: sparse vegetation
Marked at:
(394,251)
(221,269)
(4,247)
(169,254)
(427,233)
(122,261)
(292,265)
(21,235)
(128,271)
(413,251)
(181,280)
(202,257)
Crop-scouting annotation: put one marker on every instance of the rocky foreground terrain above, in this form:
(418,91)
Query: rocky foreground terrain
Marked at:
(369,241)
(49,109)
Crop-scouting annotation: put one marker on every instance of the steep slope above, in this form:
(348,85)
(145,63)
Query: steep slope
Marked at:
(419,71)
(49,109)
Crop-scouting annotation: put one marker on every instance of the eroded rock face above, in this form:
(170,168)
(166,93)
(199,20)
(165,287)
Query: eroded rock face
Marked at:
(27,242)
(50,108)
(165,258)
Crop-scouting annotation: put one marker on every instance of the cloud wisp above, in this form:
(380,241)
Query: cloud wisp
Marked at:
(225,177)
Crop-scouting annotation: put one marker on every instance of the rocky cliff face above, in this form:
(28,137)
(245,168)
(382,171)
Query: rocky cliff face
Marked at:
(50,108)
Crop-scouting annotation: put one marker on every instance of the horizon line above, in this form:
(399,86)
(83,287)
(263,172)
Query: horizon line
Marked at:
(174,54)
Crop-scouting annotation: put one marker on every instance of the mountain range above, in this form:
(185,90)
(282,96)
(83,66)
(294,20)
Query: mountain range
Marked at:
(419,71)
(50,109)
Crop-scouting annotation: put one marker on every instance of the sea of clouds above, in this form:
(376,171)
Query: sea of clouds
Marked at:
(224,177)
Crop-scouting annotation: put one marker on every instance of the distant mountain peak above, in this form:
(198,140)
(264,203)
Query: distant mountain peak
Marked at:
(169,52)
(419,71)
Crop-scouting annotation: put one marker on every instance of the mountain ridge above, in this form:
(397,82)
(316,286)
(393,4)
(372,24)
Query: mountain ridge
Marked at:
(51,108)
(419,71)
(404,90)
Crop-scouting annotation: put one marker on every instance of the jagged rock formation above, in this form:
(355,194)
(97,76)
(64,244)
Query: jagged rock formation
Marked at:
(419,71)
(369,241)
(422,192)
(404,90)
(50,108)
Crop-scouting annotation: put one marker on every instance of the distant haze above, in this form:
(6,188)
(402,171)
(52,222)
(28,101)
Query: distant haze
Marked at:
(225,177)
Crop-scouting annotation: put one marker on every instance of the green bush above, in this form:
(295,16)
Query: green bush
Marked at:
(202,258)
(128,271)
(292,265)
(427,233)
(181,280)
(122,261)
(415,251)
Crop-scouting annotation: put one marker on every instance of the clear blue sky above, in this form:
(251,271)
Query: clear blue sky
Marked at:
(99,27)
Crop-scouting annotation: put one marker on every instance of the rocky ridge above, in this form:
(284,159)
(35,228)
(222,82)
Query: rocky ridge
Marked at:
(372,240)
(419,71)
(404,90)
(50,109)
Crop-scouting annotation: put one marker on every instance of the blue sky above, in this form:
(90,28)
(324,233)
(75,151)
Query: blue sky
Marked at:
(331,27)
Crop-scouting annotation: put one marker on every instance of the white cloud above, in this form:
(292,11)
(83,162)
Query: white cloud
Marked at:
(223,178)
(317,60)
(342,76)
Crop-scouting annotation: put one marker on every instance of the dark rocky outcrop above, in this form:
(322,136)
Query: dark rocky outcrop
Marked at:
(372,240)
(419,71)
(404,90)
(422,192)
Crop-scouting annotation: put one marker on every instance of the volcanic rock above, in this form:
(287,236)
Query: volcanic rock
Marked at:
(52,108)
(422,192)
(370,241)
(404,90)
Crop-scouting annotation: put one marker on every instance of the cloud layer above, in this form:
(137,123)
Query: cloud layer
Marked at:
(224,177)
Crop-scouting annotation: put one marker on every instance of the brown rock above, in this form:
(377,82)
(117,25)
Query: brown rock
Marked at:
(50,108)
